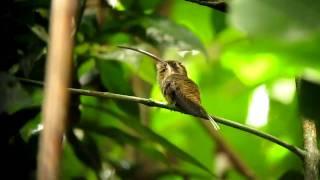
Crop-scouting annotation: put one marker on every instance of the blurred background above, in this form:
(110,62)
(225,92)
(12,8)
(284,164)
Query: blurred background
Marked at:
(244,59)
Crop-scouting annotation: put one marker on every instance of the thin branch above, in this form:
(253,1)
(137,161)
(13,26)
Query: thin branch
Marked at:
(311,161)
(217,4)
(56,95)
(148,102)
(225,147)
(308,101)
(82,6)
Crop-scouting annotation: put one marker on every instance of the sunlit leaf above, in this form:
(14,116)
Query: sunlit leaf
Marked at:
(276,28)
(276,19)
(31,128)
(199,22)
(116,4)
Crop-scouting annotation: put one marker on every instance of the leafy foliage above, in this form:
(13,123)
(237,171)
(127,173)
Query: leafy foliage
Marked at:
(253,53)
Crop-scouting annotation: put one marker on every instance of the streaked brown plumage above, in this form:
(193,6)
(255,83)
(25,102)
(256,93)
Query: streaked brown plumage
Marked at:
(176,87)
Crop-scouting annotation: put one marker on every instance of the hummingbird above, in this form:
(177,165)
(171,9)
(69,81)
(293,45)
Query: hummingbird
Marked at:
(177,88)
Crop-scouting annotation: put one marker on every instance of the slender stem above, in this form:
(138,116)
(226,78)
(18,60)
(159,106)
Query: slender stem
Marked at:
(148,102)
(227,149)
(56,95)
(82,6)
(311,160)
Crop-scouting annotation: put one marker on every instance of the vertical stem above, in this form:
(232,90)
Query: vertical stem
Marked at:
(225,147)
(56,95)
(310,144)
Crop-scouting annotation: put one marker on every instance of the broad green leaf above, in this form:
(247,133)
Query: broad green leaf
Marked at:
(164,32)
(123,138)
(116,78)
(268,60)
(140,64)
(219,21)
(151,135)
(199,22)
(276,19)
(114,133)
(116,4)
(275,28)
(86,150)
(72,167)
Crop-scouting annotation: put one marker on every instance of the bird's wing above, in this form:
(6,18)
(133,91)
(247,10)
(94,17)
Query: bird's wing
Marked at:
(191,90)
(184,94)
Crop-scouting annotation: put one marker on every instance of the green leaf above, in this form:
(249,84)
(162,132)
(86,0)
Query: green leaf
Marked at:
(219,21)
(287,19)
(287,30)
(40,32)
(164,32)
(268,59)
(140,65)
(72,167)
(123,138)
(151,135)
(13,96)
(114,133)
(32,127)
(86,150)
(116,78)
(291,175)
(198,22)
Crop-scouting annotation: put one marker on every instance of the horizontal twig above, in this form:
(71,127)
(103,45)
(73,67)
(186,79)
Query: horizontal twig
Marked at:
(148,102)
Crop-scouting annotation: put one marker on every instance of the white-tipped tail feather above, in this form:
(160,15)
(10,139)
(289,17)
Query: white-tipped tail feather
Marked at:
(213,122)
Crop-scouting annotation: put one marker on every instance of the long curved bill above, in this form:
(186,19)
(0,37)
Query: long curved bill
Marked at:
(157,59)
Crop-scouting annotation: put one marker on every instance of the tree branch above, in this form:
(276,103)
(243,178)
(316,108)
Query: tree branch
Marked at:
(308,101)
(310,144)
(148,102)
(225,147)
(56,95)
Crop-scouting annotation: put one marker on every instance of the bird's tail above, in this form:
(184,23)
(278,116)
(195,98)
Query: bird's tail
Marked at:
(213,122)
